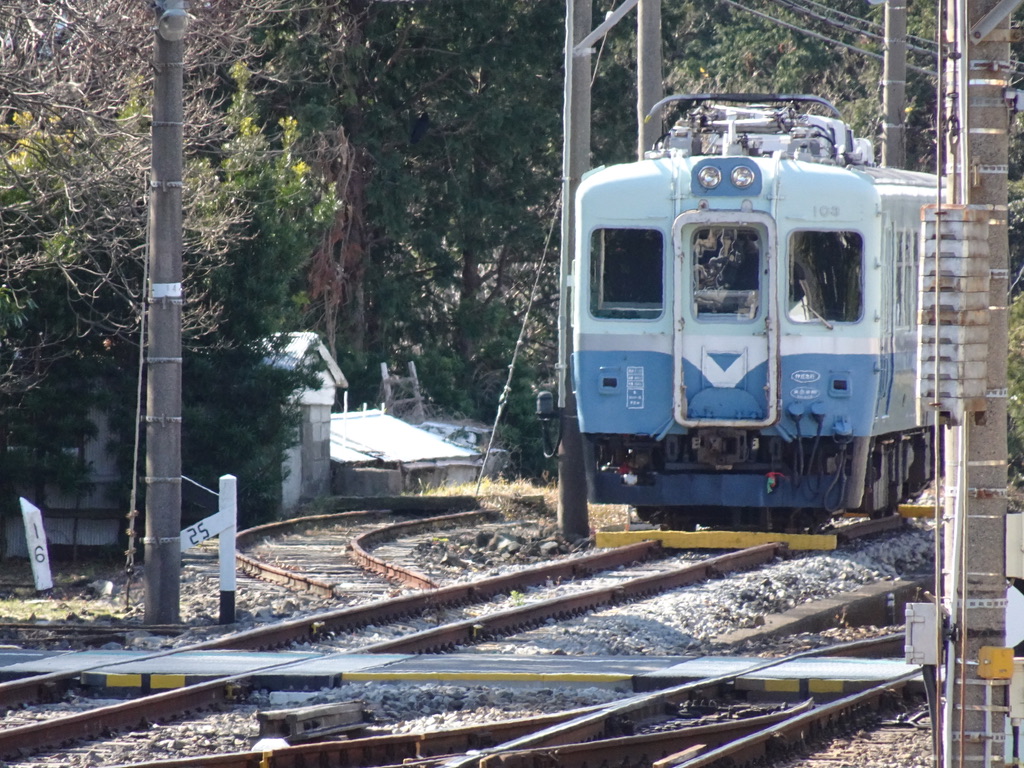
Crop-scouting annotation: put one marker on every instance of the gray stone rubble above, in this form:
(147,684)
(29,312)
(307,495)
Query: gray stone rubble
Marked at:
(684,621)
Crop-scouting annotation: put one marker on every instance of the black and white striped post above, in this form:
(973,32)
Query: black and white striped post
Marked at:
(223,523)
(228,509)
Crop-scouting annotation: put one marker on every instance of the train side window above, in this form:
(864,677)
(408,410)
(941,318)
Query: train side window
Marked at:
(626,273)
(726,272)
(825,277)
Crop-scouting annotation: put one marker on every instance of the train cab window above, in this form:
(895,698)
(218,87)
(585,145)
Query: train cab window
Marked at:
(726,265)
(825,277)
(626,273)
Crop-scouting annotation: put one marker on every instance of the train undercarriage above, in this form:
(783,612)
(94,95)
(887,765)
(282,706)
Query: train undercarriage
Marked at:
(742,479)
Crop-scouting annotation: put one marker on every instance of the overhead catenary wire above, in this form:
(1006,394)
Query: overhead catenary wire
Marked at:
(925,48)
(866,26)
(820,36)
(848,17)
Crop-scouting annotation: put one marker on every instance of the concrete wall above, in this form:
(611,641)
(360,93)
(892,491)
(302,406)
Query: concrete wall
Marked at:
(308,464)
(366,481)
(64,529)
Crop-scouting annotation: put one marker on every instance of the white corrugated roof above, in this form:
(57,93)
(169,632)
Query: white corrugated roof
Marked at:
(363,436)
(297,348)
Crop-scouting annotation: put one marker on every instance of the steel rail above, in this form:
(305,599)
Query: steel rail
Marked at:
(309,628)
(393,572)
(128,715)
(706,747)
(797,729)
(864,528)
(480,628)
(644,749)
(91,723)
(436,746)
(408,577)
(375,750)
(357,510)
(641,707)
(51,687)
(573,739)
(16,742)
(48,687)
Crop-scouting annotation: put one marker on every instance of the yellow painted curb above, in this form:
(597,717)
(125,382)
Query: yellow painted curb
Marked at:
(167,681)
(124,681)
(716,539)
(917,510)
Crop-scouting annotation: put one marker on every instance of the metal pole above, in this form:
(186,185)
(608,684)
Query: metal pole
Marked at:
(573,518)
(894,84)
(163,359)
(227,501)
(649,88)
(976,690)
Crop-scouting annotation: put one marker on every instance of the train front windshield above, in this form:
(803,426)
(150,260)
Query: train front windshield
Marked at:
(726,272)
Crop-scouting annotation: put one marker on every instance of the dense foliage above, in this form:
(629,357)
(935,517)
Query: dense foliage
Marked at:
(386,174)
(73,209)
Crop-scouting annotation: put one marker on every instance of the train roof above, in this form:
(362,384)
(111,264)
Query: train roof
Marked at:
(900,177)
(761,125)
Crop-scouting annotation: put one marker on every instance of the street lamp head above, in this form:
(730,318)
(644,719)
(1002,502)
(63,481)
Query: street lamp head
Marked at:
(173,20)
(171,26)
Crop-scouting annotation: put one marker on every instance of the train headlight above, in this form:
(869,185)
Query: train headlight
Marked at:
(709,177)
(742,176)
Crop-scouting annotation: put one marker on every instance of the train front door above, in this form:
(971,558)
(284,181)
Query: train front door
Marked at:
(726,338)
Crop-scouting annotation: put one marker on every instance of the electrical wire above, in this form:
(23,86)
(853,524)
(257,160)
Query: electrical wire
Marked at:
(820,36)
(133,509)
(507,389)
(840,470)
(855,24)
(597,62)
(1016,67)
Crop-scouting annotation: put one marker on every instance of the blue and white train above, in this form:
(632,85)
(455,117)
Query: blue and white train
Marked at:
(745,321)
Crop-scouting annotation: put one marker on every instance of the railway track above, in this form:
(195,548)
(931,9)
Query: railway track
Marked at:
(336,564)
(643,730)
(171,704)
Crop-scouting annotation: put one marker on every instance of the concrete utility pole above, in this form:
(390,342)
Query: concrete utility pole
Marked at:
(894,85)
(649,83)
(572,502)
(163,359)
(977,666)
(573,517)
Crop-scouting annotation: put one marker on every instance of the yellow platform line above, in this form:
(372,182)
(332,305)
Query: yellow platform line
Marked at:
(525,677)
(716,539)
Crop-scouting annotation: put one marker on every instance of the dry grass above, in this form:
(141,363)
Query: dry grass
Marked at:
(522,498)
(68,599)
(19,601)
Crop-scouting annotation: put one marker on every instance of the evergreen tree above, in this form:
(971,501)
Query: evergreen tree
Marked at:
(75,145)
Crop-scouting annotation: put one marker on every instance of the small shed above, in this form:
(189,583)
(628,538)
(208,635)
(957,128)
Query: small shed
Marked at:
(89,519)
(375,454)
(307,464)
